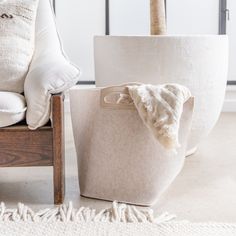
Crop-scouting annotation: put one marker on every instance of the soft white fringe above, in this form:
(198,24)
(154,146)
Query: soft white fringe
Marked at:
(118,213)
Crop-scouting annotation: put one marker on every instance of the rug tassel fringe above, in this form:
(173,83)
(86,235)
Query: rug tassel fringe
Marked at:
(118,213)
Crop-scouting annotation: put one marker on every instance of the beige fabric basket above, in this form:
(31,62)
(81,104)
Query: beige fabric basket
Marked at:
(118,157)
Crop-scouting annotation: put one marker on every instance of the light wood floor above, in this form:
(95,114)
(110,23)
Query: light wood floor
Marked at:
(204,191)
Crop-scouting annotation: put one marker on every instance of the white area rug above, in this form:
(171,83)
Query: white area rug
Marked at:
(120,219)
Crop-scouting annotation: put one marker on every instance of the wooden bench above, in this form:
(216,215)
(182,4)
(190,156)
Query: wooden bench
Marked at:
(22,147)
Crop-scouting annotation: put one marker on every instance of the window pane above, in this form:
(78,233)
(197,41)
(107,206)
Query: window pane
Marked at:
(78,21)
(192,16)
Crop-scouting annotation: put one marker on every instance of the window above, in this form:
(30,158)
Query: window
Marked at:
(228,26)
(80,20)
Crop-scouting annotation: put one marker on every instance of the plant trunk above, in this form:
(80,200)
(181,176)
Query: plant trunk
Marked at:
(157,17)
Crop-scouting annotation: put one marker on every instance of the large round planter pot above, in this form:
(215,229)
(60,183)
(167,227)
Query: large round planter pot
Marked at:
(197,62)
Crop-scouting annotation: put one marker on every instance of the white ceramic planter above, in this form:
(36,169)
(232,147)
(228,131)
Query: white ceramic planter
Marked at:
(198,62)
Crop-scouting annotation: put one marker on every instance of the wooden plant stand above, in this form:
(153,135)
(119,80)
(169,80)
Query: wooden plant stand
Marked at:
(21,147)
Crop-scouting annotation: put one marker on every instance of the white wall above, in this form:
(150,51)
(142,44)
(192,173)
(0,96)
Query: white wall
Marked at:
(78,21)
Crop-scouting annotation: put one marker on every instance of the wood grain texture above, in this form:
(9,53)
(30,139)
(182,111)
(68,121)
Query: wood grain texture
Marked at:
(20,146)
(157,17)
(58,148)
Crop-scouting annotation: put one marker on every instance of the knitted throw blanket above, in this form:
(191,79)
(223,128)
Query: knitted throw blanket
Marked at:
(160,107)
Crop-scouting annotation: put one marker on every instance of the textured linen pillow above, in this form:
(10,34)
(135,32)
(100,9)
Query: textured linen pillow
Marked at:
(17,27)
(50,71)
(12,108)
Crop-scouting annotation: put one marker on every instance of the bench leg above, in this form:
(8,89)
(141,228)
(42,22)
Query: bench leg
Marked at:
(58,148)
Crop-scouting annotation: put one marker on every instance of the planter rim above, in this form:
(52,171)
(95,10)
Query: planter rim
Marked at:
(224,36)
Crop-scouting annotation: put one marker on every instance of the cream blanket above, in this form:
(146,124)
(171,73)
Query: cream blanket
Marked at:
(160,107)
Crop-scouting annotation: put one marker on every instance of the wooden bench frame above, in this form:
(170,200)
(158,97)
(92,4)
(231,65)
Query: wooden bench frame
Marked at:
(21,147)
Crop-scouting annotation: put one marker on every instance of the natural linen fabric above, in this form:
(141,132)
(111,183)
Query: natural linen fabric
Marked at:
(17,27)
(160,107)
(12,108)
(50,72)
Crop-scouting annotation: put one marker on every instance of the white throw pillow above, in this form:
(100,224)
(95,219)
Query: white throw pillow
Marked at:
(12,108)
(50,72)
(17,27)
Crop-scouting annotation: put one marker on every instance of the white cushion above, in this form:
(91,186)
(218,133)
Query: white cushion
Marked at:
(50,72)
(12,108)
(17,29)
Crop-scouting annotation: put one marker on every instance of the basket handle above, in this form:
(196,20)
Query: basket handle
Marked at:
(109,97)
